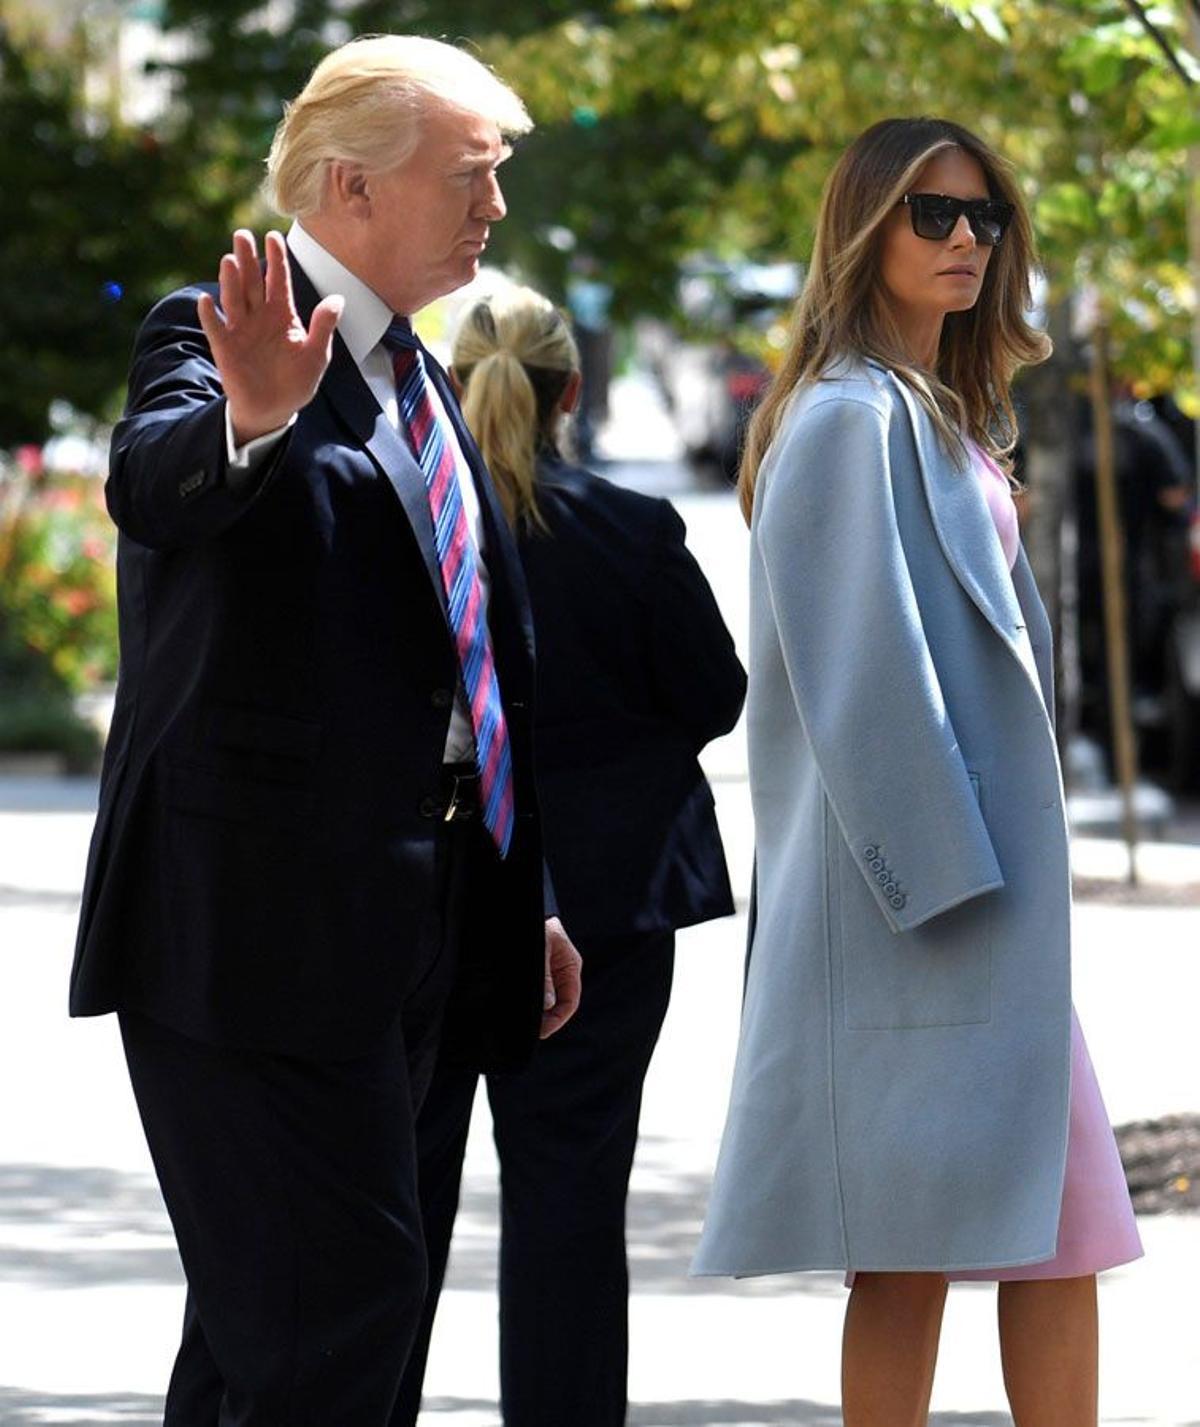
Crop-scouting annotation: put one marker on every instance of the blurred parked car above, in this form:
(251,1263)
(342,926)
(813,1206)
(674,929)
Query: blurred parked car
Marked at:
(714,374)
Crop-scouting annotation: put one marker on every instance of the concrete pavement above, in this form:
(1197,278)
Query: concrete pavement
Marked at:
(90,1291)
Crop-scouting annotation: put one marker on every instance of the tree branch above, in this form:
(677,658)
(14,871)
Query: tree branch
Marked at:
(1136,9)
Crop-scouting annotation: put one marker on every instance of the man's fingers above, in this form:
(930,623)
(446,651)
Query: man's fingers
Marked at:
(567,1003)
(279,272)
(245,251)
(210,320)
(563,982)
(230,282)
(324,319)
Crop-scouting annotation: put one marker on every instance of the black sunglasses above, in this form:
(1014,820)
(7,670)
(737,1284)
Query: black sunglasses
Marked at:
(934,216)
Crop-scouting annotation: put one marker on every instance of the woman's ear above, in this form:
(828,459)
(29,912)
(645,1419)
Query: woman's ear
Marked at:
(570,397)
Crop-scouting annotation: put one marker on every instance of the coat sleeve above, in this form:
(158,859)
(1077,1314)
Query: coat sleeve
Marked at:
(860,670)
(698,678)
(169,484)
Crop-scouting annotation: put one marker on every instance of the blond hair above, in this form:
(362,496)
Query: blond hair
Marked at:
(843,311)
(513,356)
(363,104)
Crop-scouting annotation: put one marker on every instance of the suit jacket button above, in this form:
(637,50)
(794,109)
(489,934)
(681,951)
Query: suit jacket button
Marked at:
(899,901)
(877,864)
(881,878)
(430,808)
(441,698)
(891,889)
(871,853)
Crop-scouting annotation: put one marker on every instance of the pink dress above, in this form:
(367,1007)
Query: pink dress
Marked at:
(1096,1228)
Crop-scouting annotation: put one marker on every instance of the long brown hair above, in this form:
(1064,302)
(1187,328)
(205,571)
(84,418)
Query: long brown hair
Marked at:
(513,356)
(843,310)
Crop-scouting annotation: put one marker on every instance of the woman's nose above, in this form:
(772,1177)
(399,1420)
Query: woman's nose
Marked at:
(962,235)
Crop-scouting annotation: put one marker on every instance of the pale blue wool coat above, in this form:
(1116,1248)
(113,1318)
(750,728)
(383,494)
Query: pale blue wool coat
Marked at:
(900,1095)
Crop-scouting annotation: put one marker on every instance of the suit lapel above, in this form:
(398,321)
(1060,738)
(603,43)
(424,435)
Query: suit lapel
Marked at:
(967,536)
(346,391)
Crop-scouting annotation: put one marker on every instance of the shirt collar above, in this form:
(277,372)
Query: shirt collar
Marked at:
(366,316)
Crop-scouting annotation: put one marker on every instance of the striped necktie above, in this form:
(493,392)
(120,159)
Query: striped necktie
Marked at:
(437,454)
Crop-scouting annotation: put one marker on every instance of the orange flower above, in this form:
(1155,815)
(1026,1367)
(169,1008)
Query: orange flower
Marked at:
(75,602)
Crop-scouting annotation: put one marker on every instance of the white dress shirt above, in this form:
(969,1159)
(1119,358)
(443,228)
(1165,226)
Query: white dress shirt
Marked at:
(365,318)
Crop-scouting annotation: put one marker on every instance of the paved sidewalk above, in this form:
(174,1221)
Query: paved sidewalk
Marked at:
(90,1293)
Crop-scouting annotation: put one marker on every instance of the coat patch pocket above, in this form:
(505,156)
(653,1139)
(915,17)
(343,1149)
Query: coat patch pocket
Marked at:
(937,974)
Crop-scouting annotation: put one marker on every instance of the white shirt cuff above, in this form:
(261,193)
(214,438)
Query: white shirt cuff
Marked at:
(247,457)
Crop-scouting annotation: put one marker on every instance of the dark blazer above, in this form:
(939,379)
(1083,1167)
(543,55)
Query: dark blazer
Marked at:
(636,673)
(262,869)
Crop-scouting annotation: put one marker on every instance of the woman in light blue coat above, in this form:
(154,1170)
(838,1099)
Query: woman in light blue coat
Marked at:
(912,1101)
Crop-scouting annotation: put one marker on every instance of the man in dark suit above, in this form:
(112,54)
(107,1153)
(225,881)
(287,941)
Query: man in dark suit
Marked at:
(317,818)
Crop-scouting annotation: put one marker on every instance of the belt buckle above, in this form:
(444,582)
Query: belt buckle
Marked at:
(458,803)
(452,805)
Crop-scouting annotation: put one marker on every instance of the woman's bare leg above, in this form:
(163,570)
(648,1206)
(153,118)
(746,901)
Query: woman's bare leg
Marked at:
(1049,1345)
(889,1348)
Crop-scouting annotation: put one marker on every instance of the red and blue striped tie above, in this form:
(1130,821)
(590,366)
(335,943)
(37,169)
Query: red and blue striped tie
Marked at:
(436,452)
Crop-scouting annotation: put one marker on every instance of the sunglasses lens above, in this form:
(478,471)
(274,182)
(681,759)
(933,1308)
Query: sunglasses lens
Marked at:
(989,221)
(933,216)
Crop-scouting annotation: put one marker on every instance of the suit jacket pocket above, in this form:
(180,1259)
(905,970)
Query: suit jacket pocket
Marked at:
(199,791)
(242,728)
(938,974)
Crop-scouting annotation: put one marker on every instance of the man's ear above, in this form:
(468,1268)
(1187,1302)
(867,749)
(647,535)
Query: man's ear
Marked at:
(570,397)
(350,188)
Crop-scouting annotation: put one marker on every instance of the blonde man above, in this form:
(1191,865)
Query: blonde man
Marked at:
(317,805)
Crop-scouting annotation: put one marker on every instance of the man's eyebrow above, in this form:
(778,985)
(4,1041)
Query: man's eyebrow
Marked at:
(475,158)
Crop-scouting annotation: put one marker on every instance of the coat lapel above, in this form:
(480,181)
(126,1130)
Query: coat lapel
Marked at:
(968,537)
(1041,636)
(344,388)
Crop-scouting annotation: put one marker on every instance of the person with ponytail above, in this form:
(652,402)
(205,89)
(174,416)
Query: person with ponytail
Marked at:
(636,672)
(912,1101)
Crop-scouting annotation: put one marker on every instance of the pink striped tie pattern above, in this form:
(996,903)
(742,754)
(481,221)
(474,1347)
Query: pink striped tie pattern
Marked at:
(436,454)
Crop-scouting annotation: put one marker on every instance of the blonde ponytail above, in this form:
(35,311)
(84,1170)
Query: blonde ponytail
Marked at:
(513,356)
(501,409)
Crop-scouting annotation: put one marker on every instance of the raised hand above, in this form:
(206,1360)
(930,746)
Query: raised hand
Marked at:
(270,366)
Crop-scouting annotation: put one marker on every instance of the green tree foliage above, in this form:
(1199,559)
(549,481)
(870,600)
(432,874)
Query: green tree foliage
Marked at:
(96,220)
(1075,92)
(665,128)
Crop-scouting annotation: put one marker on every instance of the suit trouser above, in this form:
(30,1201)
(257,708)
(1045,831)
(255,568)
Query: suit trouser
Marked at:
(566,1130)
(291,1187)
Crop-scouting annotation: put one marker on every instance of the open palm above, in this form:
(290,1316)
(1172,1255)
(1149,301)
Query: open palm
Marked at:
(269,365)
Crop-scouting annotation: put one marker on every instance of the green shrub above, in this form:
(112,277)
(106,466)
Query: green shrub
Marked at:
(58,576)
(58,622)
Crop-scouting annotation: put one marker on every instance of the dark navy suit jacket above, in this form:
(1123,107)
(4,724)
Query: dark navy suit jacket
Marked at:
(262,871)
(636,673)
